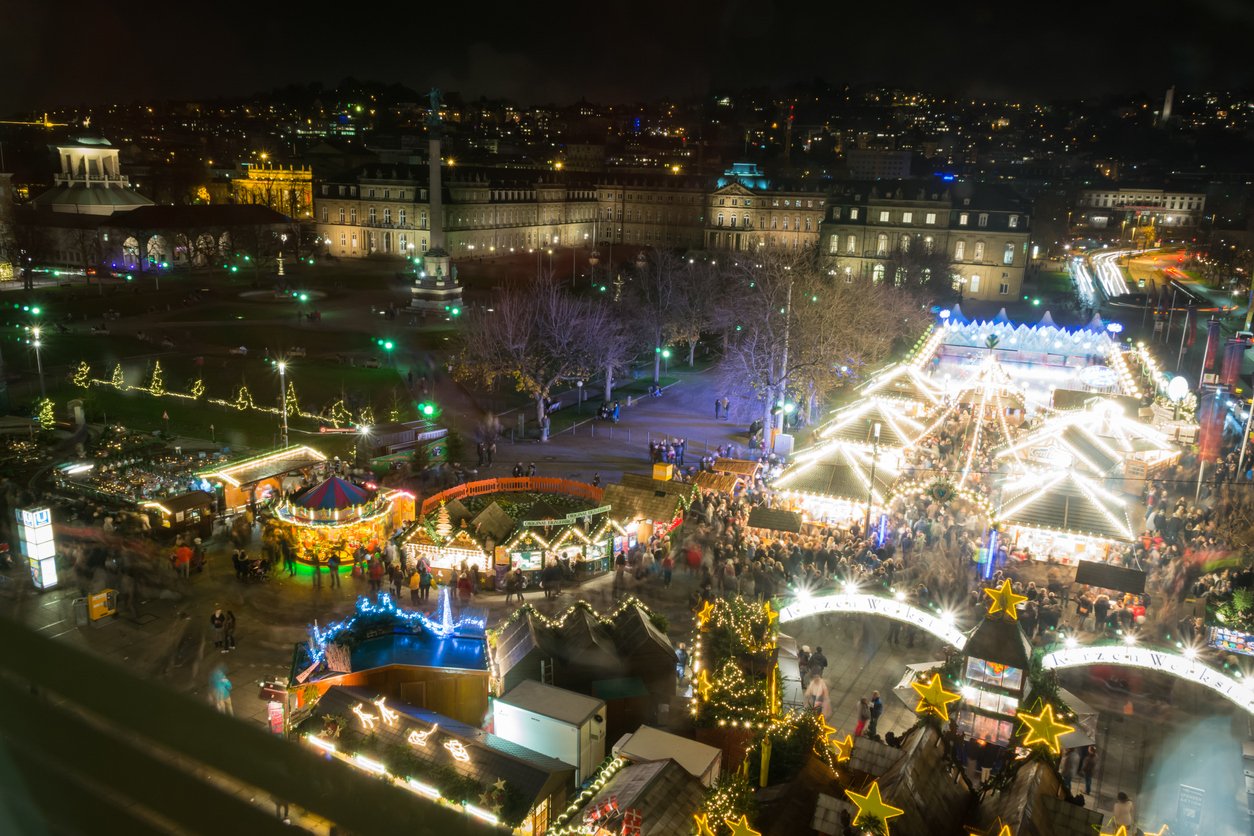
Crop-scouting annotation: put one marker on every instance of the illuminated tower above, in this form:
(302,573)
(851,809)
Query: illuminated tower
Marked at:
(436,288)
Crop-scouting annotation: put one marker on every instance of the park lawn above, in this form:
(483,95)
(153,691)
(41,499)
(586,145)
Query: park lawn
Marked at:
(1053,281)
(234,311)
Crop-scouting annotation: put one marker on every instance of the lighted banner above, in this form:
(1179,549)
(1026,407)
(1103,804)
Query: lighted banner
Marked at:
(941,627)
(1157,660)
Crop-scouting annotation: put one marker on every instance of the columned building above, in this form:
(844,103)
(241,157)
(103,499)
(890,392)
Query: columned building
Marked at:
(977,235)
(748,211)
(385,209)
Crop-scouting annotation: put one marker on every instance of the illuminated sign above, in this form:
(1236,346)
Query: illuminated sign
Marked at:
(852,602)
(1158,660)
(35,539)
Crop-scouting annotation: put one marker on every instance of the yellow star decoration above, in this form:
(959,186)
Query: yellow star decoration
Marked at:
(1004,600)
(740,827)
(1162,831)
(934,697)
(703,825)
(1005,831)
(828,731)
(1122,831)
(873,805)
(771,615)
(703,685)
(703,614)
(844,748)
(1043,728)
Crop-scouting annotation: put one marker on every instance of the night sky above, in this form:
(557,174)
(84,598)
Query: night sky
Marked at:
(71,52)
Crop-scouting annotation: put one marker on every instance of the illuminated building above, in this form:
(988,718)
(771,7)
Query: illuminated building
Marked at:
(748,212)
(285,189)
(979,235)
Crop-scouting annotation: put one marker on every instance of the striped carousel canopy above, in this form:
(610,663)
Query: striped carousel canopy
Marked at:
(334,493)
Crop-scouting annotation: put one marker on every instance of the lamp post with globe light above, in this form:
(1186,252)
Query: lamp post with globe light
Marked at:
(283,399)
(38,343)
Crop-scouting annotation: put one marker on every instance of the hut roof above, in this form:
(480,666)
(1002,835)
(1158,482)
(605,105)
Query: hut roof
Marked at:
(495,522)
(1064,500)
(739,467)
(721,482)
(638,504)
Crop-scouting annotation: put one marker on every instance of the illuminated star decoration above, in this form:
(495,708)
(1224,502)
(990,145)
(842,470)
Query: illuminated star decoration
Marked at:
(703,614)
(740,827)
(703,825)
(1004,600)
(499,784)
(703,685)
(1043,728)
(933,697)
(872,805)
(844,748)
(771,615)
(1005,831)
(1162,831)
(1122,831)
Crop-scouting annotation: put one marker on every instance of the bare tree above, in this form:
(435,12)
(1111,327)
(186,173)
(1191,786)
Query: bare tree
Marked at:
(538,336)
(696,305)
(655,294)
(801,331)
(915,263)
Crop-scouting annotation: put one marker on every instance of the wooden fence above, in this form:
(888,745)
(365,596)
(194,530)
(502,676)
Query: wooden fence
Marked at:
(520,484)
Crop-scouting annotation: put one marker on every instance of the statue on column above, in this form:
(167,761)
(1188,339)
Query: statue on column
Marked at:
(433,97)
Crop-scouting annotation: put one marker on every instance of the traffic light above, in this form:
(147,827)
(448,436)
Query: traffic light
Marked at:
(387,345)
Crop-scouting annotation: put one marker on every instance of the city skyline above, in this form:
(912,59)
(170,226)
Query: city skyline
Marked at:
(642,53)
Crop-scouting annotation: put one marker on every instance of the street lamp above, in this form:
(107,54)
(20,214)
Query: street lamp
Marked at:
(38,361)
(870,485)
(579,394)
(283,398)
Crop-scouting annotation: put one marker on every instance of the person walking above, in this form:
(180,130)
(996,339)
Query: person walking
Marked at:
(424,581)
(818,697)
(415,587)
(333,564)
(877,709)
(220,691)
(1087,768)
(376,575)
(718,402)
(864,716)
(289,557)
(1124,811)
(228,632)
(726,409)
(818,662)
(217,621)
(315,563)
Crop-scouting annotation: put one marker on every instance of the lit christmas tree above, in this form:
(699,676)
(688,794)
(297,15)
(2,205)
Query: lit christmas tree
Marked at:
(290,404)
(118,381)
(198,388)
(243,399)
(82,377)
(156,385)
(365,418)
(47,420)
(338,414)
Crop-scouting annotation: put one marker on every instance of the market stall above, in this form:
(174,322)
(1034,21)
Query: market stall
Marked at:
(335,517)
(1061,515)
(246,482)
(191,513)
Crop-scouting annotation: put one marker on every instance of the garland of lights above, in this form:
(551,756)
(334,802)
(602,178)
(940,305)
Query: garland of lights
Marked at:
(290,404)
(47,419)
(118,381)
(198,389)
(607,770)
(442,626)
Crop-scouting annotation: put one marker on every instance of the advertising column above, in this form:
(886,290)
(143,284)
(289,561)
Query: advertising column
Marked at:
(34,527)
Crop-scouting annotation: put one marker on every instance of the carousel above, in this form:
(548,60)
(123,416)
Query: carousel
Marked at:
(336,516)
